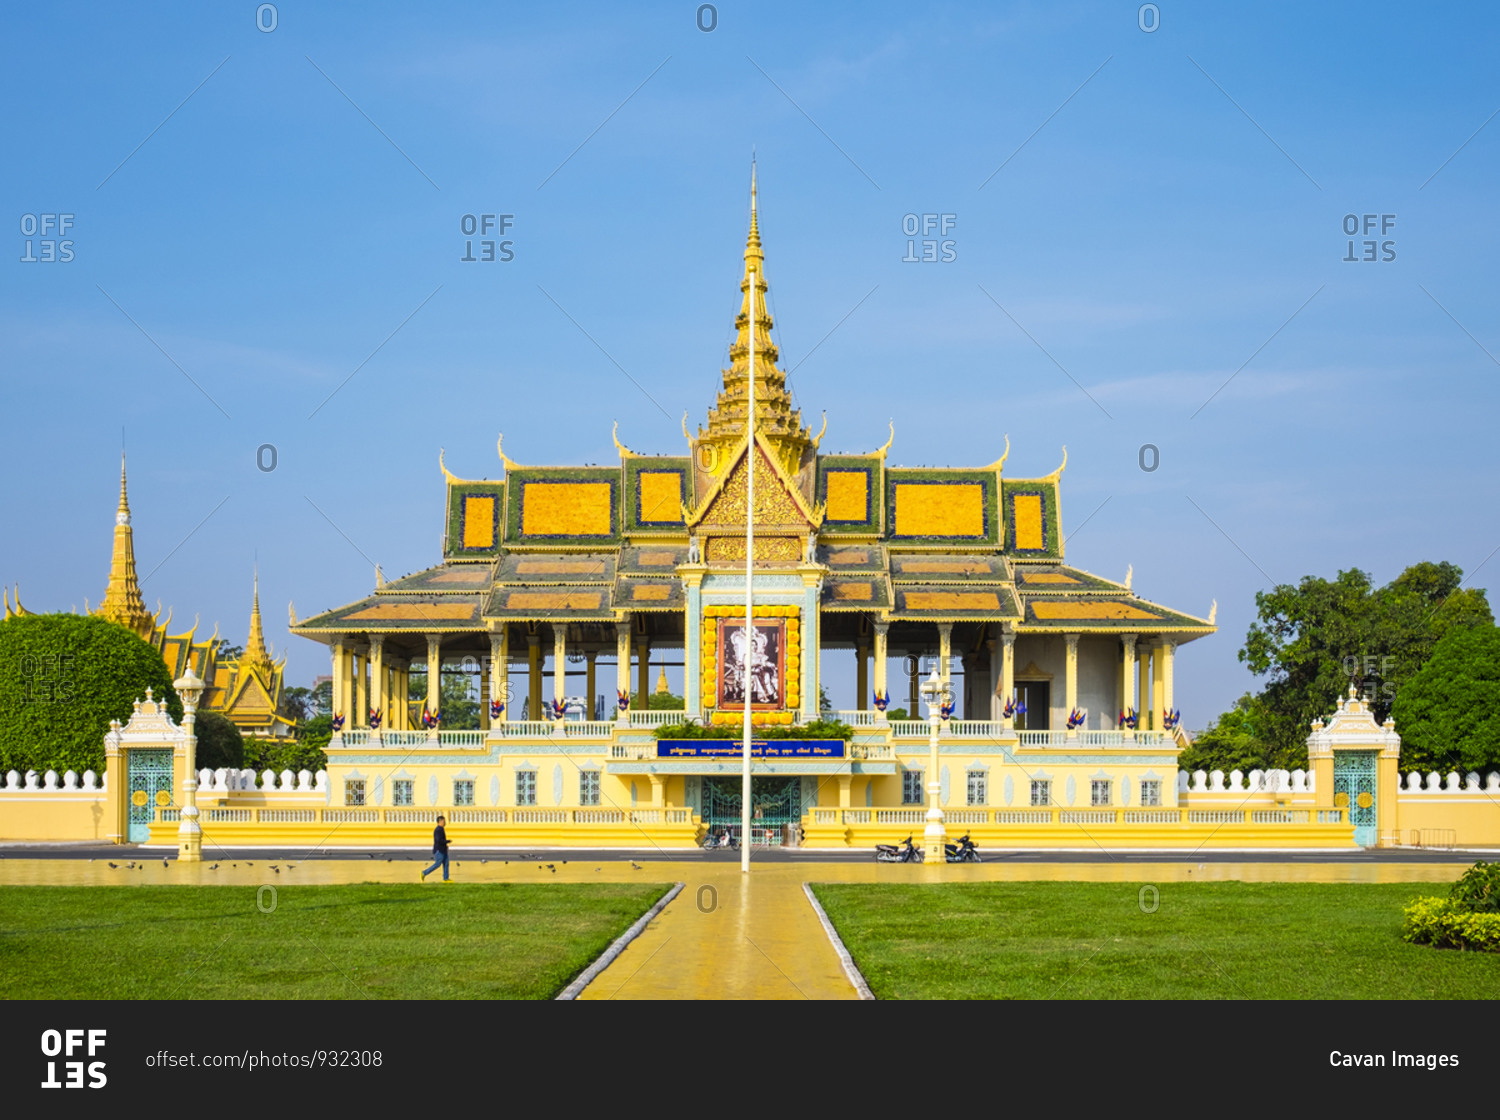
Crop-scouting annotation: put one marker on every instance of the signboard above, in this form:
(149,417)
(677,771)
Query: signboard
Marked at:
(759,748)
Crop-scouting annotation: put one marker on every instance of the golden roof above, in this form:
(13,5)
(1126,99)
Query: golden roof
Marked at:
(122,598)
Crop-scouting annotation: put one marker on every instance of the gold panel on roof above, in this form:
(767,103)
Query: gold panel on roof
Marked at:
(566,509)
(553,600)
(952,509)
(1028,514)
(1108,609)
(952,601)
(415,612)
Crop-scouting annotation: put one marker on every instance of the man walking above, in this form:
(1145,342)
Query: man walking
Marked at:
(439,850)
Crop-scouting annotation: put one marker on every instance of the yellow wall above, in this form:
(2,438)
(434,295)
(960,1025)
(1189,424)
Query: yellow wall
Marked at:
(55,816)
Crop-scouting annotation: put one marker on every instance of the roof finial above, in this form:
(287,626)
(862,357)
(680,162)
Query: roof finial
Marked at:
(255,645)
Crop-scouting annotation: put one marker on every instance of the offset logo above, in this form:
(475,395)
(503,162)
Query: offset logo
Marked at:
(66,1044)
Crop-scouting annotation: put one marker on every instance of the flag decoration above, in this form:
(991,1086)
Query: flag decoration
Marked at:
(1013,708)
(338,724)
(497,709)
(431,719)
(1128,719)
(375,718)
(882,700)
(624,700)
(1077,718)
(1171,717)
(559,709)
(946,708)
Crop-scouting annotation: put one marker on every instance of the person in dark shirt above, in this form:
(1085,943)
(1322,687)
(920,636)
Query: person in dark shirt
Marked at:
(439,850)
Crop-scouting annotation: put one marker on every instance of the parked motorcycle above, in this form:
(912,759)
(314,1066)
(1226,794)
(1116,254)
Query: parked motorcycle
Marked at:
(895,853)
(962,852)
(719,840)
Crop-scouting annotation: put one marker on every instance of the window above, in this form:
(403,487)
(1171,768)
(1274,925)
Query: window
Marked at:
(588,787)
(911,787)
(978,787)
(1151,793)
(1099,791)
(463,791)
(525,787)
(354,791)
(1041,792)
(403,792)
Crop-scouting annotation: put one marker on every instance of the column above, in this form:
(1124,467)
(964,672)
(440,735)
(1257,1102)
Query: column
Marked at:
(484,699)
(500,668)
(862,678)
(622,663)
(1143,689)
(589,683)
(1127,675)
(994,706)
(400,670)
(1158,683)
(643,671)
(846,783)
(945,650)
(560,662)
(336,699)
(914,700)
(1071,687)
(1007,669)
(882,639)
(377,676)
(1168,656)
(534,678)
(362,690)
(658,791)
(434,673)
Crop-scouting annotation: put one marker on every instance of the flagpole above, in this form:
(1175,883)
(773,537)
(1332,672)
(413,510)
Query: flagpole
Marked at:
(749,577)
(749,649)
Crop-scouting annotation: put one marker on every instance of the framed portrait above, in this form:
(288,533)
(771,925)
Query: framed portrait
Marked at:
(766,653)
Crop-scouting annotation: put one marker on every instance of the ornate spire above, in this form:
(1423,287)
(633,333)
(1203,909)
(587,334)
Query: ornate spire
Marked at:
(255,646)
(776,419)
(122,598)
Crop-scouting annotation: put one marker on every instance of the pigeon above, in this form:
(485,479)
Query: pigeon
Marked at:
(164,861)
(484,861)
(215,867)
(114,866)
(249,864)
(551,867)
(291,867)
(565,863)
(130,866)
(276,869)
(635,865)
(234,865)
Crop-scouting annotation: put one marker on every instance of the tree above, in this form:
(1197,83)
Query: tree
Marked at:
(1448,713)
(322,700)
(297,704)
(227,652)
(1232,742)
(220,745)
(63,677)
(459,699)
(1312,640)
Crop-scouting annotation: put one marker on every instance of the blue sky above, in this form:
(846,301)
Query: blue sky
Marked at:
(1160,213)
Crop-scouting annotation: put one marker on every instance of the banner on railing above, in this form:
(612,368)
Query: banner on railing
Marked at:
(759,748)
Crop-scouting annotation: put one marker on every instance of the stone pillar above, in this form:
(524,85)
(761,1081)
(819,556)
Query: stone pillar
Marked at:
(1158,683)
(846,783)
(945,650)
(377,677)
(337,700)
(862,678)
(434,673)
(400,692)
(484,700)
(658,791)
(994,685)
(362,690)
(914,700)
(643,670)
(1143,689)
(882,681)
(500,668)
(622,662)
(590,684)
(559,661)
(534,678)
(1007,670)
(1071,686)
(1168,656)
(1127,675)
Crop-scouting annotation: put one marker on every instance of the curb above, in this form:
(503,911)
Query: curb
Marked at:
(607,958)
(850,969)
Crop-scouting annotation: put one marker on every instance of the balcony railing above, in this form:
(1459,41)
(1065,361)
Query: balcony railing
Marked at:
(857,719)
(656,719)
(1101,816)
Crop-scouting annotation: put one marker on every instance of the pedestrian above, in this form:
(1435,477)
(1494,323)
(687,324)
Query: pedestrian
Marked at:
(439,850)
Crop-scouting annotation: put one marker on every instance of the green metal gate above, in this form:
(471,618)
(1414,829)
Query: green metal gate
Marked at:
(774,804)
(1354,790)
(148,780)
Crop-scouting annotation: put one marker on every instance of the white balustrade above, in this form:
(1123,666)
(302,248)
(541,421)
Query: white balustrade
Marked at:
(356,738)
(976,729)
(909,728)
(469,738)
(856,718)
(656,719)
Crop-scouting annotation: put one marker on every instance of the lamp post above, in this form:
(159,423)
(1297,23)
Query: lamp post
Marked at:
(189,835)
(935,836)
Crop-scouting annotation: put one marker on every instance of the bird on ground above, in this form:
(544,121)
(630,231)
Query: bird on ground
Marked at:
(552,869)
(484,861)
(164,861)
(291,867)
(215,867)
(276,869)
(249,864)
(130,866)
(114,866)
(635,865)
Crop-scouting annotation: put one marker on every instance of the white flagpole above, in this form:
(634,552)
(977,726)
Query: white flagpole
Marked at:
(749,565)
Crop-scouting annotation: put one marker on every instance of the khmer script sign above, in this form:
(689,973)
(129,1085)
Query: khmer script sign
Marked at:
(770,748)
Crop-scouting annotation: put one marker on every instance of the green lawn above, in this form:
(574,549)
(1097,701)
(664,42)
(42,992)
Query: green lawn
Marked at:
(366,941)
(1093,941)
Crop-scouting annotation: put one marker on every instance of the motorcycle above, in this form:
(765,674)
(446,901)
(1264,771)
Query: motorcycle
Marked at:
(719,840)
(962,852)
(895,853)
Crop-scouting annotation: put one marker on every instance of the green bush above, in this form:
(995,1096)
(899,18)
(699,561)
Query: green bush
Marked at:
(220,745)
(1478,890)
(63,677)
(1444,924)
(284,754)
(1469,918)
